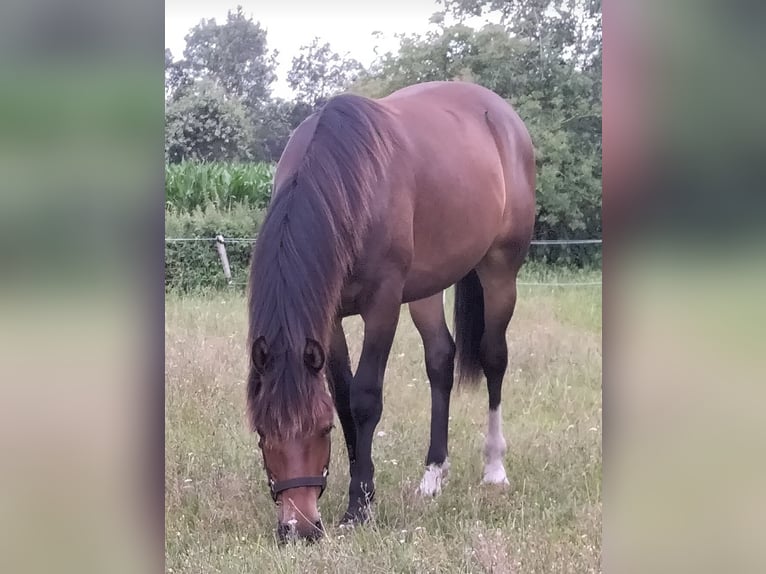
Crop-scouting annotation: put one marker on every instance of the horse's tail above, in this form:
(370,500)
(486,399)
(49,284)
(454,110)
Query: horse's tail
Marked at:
(469,328)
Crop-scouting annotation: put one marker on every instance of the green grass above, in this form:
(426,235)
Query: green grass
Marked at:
(220,518)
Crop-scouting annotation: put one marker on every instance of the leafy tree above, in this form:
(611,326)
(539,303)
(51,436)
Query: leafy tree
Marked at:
(558,28)
(177,76)
(436,56)
(273,126)
(319,72)
(204,124)
(234,55)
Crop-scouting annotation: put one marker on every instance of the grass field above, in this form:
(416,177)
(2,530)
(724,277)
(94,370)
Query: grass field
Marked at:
(220,517)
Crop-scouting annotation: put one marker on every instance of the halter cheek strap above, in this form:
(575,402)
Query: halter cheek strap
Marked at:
(277,487)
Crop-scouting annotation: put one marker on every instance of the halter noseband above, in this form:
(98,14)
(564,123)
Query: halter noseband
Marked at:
(278,486)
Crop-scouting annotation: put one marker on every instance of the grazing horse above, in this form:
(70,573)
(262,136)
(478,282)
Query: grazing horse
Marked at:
(377,203)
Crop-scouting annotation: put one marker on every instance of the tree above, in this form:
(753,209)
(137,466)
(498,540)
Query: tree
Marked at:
(273,126)
(234,55)
(319,72)
(204,124)
(177,76)
(421,58)
(559,29)
(224,83)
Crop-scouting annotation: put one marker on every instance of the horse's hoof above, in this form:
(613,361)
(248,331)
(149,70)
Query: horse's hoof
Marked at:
(494,473)
(346,523)
(503,483)
(433,479)
(355,517)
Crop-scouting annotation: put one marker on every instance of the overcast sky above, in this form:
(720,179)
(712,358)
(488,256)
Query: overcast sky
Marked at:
(345,24)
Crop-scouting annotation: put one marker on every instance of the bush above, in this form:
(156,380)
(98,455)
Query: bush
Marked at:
(586,256)
(195,265)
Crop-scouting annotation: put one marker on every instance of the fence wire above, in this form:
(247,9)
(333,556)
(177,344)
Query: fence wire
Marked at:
(564,284)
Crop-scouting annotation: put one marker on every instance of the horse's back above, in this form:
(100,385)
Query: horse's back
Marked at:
(466,138)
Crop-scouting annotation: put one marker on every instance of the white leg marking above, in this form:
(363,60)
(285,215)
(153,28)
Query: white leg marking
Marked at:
(494,450)
(433,477)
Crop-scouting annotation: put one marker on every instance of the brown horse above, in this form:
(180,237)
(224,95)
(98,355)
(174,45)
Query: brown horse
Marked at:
(378,203)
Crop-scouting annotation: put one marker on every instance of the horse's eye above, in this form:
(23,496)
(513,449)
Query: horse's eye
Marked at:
(328,430)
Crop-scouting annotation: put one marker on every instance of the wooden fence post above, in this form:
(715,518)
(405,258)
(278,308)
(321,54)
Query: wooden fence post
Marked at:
(220,244)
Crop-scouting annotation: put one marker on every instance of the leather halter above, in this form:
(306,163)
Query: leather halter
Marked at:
(278,486)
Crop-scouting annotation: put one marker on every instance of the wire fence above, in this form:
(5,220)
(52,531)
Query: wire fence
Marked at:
(563,284)
(221,241)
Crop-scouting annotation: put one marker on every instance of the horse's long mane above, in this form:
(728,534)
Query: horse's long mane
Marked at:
(306,247)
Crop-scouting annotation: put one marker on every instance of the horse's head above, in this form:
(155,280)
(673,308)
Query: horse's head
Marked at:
(296,453)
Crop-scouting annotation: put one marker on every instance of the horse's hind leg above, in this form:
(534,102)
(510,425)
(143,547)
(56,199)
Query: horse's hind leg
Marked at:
(428,316)
(497,273)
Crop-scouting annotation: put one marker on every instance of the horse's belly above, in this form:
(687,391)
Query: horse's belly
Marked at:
(429,275)
(420,286)
(453,229)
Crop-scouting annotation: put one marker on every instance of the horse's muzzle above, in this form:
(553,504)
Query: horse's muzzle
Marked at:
(291,533)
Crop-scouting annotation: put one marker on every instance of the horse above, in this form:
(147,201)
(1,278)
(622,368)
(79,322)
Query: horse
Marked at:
(378,203)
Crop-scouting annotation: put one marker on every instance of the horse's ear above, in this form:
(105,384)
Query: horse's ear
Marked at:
(260,354)
(313,356)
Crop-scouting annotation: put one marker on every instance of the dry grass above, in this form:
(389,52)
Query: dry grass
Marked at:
(220,518)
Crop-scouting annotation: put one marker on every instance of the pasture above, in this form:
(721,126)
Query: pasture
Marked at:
(220,517)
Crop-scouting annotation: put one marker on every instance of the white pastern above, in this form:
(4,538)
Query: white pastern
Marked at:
(433,479)
(494,450)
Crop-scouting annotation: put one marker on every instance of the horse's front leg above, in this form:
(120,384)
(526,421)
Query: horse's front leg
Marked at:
(340,377)
(380,321)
